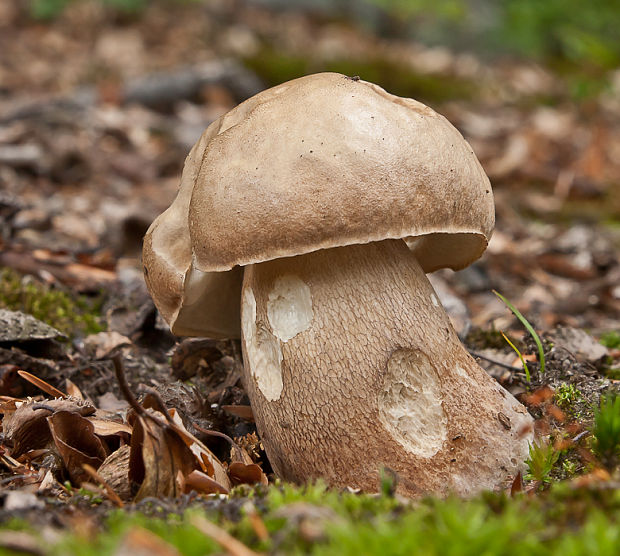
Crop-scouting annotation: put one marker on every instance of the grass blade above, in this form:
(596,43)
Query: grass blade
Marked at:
(529,328)
(527,371)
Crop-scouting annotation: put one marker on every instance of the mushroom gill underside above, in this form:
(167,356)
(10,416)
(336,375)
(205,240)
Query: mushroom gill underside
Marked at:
(352,365)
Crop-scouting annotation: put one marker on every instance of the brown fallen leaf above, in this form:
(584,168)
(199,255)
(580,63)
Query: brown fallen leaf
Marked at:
(207,460)
(26,426)
(517,485)
(73,390)
(109,402)
(83,277)
(157,455)
(42,385)
(250,474)
(77,443)
(242,469)
(160,446)
(10,384)
(201,482)
(8,461)
(108,427)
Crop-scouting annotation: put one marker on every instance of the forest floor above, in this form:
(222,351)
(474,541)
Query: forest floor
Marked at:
(97,114)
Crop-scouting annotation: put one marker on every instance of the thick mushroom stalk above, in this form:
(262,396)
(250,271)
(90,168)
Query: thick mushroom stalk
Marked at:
(351,365)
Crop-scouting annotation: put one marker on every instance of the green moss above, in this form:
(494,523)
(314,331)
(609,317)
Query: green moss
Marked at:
(612,373)
(276,67)
(566,395)
(562,520)
(611,339)
(73,315)
(606,431)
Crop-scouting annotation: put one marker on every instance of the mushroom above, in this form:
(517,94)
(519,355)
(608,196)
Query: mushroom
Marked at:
(305,222)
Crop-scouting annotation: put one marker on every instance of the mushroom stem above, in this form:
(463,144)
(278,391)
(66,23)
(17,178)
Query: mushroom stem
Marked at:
(351,364)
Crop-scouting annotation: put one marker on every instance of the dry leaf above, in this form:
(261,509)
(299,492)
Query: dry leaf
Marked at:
(109,402)
(28,430)
(201,482)
(251,474)
(242,469)
(73,390)
(205,457)
(105,427)
(26,426)
(16,326)
(517,485)
(76,443)
(42,385)
(157,454)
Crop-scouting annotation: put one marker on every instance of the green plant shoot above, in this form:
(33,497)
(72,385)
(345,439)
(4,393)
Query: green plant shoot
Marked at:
(606,431)
(529,328)
(527,371)
(543,456)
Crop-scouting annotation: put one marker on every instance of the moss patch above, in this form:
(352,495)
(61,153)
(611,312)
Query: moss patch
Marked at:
(71,314)
(315,520)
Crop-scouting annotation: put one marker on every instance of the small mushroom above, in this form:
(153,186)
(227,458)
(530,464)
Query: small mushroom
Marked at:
(306,220)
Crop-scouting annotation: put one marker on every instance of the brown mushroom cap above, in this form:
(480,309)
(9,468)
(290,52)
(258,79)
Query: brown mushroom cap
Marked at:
(318,162)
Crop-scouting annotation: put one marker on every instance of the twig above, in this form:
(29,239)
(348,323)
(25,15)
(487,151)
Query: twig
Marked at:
(221,537)
(161,406)
(119,371)
(580,436)
(111,493)
(221,435)
(498,363)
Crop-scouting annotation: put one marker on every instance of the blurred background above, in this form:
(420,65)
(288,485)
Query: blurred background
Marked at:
(100,101)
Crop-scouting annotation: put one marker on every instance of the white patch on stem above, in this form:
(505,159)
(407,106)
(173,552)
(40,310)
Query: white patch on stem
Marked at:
(262,349)
(289,307)
(410,405)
